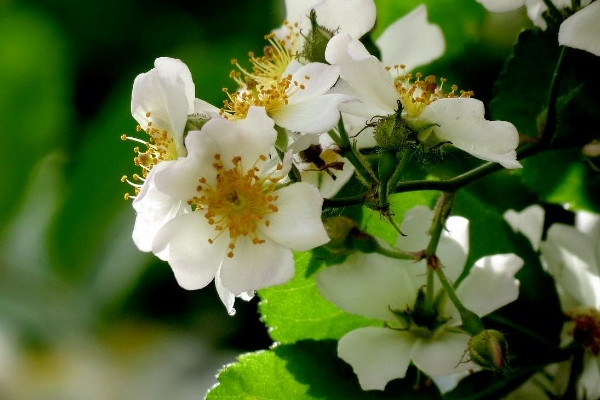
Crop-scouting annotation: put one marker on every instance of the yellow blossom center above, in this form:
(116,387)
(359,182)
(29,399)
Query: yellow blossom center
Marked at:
(238,201)
(266,84)
(417,92)
(160,146)
(587,329)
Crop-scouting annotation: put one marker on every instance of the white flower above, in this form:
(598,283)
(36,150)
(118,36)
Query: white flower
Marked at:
(386,289)
(244,224)
(294,95)
(580,30)
(440,117)
(161,102)
(572,256)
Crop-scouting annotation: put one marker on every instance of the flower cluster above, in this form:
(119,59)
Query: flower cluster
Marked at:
(228,193)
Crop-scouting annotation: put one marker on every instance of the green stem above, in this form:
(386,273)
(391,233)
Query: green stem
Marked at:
(550,126)
(363,169)
(398,254)
(554,12)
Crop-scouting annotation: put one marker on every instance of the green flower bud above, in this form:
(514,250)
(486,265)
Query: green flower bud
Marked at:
(393,134)
(488,349)
(316,40)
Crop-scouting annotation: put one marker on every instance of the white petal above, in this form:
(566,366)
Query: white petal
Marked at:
(321,77)
(202,107)
(415,225)
(454,243)
(411,41)
(316,115)
(354,17)
(370,285)
(490,284)
(453,247)
(501,5)
(443,354)
(256,266)
(377,355)
(529,222)
(571,261)
(184,242)
(180,178)
(227,298)
(363,72)
(588,385)
(582,30)
(461,121)
(153,209)
(248,138)
(167,93)
(297,223)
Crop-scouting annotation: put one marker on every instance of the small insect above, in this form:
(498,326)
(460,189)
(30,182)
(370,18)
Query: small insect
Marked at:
(313,154)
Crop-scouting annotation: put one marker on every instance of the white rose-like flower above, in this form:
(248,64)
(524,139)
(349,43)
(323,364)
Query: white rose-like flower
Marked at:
(244,225)
(580,30)
(161,101)
(440,117)
(382,288)
(572,256)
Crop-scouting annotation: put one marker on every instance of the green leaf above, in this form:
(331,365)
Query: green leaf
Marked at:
(561,177)
(297,311)
(523,86)
(305,370)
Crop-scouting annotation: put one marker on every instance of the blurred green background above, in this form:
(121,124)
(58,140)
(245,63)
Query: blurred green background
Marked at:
(83,314)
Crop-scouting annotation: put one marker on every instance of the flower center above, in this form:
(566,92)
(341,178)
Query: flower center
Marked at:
(159,147)
(266,85)
(417,92)
(238,202)
(587,329)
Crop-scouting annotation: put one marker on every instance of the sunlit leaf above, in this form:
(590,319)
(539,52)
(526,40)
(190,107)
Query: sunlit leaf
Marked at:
(305,370)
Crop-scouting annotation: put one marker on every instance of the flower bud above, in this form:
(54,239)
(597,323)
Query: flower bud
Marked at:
(316,40)
(488,349)
(393,134)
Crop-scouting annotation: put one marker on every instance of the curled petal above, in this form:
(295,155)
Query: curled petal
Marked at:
(461,121)
(166,92)
(377,355)
(363,72)
(581,31)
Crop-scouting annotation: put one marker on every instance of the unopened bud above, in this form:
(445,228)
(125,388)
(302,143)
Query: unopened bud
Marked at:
(316,40)
(489,349)
(393,134)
